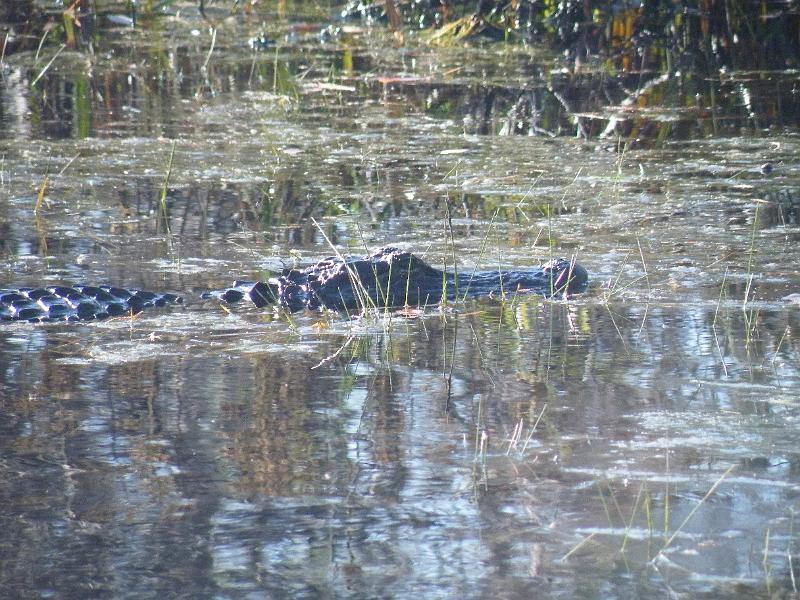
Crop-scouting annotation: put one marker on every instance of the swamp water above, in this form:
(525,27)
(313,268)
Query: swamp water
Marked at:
(639,440)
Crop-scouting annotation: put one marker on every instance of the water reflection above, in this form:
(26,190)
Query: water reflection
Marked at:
(363,469)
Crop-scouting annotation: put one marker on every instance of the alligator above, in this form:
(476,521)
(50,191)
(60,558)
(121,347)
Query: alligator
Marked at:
(386,278)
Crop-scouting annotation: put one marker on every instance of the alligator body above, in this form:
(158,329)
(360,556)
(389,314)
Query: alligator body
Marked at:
(77,303)
(388,277)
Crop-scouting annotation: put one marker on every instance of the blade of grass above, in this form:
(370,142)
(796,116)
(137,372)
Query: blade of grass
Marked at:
(47,66)
(330,357)
(714,323)
(3,53)
(516,434)
(750,254)
(164,188)
(765,558)
(578,546)
(40,195)
(688,518)
(67,166)
(452,248)
(46,32)
(484,245)
(789,556)
(360,291)
(629,524)
(533,429)
(211,48)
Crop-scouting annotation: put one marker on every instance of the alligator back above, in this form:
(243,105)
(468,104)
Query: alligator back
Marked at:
(388,277)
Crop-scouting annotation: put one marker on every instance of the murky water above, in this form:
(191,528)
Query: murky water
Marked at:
(638,440)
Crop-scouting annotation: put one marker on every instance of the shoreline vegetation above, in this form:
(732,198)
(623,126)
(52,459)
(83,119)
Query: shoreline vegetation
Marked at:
(637,73)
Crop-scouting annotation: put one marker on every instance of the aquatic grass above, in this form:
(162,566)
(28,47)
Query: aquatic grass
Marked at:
(648,513)
(45,33)
(533,429)
(449,378)
(453,250)
(667,469)
(786,332)
(40,195)
(644,267)
(643,502)
(578,546)
(615,503)
(362,294)
(500,279)
(551,237)
(388,288)
(517,433)
(621,337)
(630,521)
(443,299)
(481,449)
(526,195)
(332,356)
(164,213)
(482,253)
(41,230)
(408,283)
(691,514)
(379,288)
(750,254)
(613,285)
(47,66)
(3,53)
(204,67)
(283,82)
(286,314)
(573,261)
(615,289)
(765,563)
(714,322)
(789,556)
(71,21)
(750,318)
(69,164)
